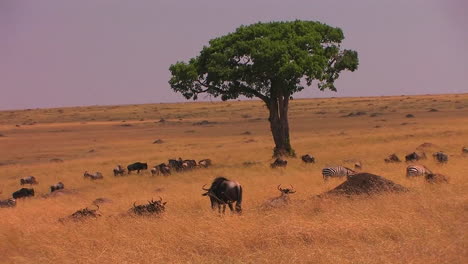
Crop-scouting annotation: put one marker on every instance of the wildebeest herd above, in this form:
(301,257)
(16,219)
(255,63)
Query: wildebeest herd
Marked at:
(224,192)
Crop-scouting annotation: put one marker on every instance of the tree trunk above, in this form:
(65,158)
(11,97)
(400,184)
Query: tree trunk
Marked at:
(278,106)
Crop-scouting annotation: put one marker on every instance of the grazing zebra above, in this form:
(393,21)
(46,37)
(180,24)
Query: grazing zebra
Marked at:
(417,170)
(338,171)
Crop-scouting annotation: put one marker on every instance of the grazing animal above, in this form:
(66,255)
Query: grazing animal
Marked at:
(336,172)
(153,207)
(222,192)
(392,159)
(436,178)
(23,192)
(137,166)
(308,158)
(161,169)
(189,164)
(281,200)
(205,163)
(176,164)
(417,170)
(82,214)
(119,170)
(415,156)
(279,163)
(8,203)
(56,187)
(465,150)
(28,180)
(95,176)
(440,157)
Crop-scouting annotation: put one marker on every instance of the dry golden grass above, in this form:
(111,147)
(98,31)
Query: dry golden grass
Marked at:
(427,225)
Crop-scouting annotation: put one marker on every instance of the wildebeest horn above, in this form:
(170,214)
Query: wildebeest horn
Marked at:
(292,189)
(160,199)
(203,188)
(279,188)
(134,204)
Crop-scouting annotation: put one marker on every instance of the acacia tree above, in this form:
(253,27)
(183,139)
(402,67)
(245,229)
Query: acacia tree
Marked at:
(271,61)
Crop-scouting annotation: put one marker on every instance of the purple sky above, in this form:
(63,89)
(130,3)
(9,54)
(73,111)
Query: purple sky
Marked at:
(86,52)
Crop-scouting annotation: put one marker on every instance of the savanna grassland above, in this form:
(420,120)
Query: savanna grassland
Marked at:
(429,224)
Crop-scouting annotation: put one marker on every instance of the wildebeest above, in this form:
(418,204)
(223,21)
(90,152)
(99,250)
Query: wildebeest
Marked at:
(417,170)
(28,180)
(205,163)
(436,178)
(279,163)
(281,200)
(440,157)
(152,207)
(308,158)
(336,172)
(189,164)
(176,164)
(161,169)
(95,176)
(415,156)
(392,158)
(224,191)
(8,203)
(23,192)
(137,166)
(82,214)
(119,170)
(57,186)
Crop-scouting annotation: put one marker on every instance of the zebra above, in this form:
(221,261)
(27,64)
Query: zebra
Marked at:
(338,171)
(417,170)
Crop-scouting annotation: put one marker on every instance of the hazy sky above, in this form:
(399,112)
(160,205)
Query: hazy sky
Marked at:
(86,52)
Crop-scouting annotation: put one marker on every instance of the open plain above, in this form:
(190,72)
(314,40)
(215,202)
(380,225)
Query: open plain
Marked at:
(428,224)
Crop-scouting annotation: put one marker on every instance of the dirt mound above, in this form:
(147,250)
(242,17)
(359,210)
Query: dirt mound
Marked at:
(366,183)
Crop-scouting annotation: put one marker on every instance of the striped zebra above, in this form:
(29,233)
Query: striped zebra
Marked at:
(417,170)
(338,171)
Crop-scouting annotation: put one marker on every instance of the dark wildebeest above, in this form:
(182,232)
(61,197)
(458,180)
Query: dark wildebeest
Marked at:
(205,163)
(119,170)
(8,203)
(23,192)
(161,169)
(392,158)
(95,176)
(415,156)
(308,159)
(176,164)
(57,186)
(279,163)
(28,180)
(440,157)
(152,207)
(189,164)
(224,191)
(137,166)
(281,200)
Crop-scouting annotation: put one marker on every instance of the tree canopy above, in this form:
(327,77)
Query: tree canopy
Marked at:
(247,61)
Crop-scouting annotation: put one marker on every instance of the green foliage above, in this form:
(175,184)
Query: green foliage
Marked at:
(255,58)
